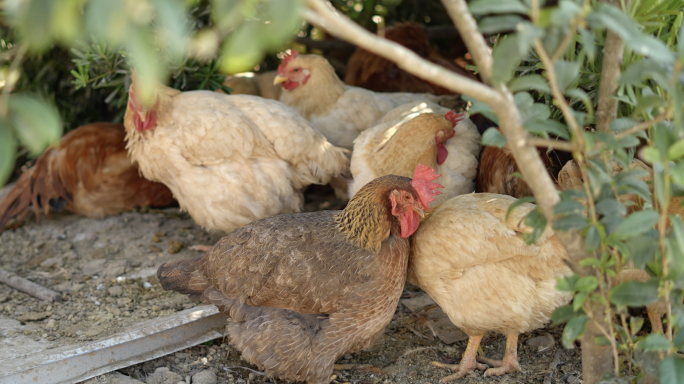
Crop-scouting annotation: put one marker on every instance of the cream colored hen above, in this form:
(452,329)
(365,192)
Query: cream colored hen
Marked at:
(419,133)
(475,264)
(228,159)
(338,111)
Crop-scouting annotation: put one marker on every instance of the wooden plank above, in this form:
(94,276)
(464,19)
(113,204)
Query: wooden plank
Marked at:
(142,342)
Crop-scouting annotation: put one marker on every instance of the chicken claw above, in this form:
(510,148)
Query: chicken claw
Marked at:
(508,364)
(467,364)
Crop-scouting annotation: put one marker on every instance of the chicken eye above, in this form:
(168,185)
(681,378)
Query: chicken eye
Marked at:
(296,69)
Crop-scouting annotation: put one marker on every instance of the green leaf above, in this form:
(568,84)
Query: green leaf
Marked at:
(654,342)
(144,57)
(578,300)
(547,126)
(678,230)
(108,19)
(493,138)
(498,24)
(586,284)
(567,283)
(622,124)
(524,83)
(634,293)
(676,150)
(517,203)
(8,147)
(593,239)
(610,207)
(566,73)
(570,222)
(510,50)
(608,16)
(573,329)
(33,22)
(36,123)
(565,207)
(243,50)
(637,223)
(537,222)
(635,324)
(678,340)
(171,20)
(579,94)
(483,7)
(672,370)
(642,248)
(562,314)
(588,43)
(480,107)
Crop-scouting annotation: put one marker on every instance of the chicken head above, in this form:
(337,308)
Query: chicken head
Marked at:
(143,118)
(290,74)
(410,209)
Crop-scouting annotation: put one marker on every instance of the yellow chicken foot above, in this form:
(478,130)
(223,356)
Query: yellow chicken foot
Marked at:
(467,364)
(201,248)
(508,364)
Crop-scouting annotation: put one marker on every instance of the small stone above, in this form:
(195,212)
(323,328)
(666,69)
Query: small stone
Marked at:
(163,375)
(182,355)
(155,239)
(147,285)
(160,234)
(348,356)
(541,343)
(115,291)
(100,287)
(51,324)
(34,316)
(571,379)
(174,246)
(204,377)
(155,248)
(123,301)
(52,262)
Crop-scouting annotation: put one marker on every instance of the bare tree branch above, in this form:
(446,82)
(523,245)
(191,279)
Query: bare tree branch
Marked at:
(545,143)
(644,125)
(610,74)
(326,17)
(473,39)
(558,94)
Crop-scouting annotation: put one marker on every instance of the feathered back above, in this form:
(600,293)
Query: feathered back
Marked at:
(89,169)
(376,73)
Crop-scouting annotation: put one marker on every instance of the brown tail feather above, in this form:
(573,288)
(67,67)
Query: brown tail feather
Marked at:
(183,276)
(38,182)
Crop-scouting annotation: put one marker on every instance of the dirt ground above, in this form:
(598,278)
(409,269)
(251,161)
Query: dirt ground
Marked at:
(106,269)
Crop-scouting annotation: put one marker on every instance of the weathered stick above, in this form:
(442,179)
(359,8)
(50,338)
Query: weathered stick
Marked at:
(29,287)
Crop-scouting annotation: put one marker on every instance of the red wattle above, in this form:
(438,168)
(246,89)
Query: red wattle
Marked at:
(409,223)
(290,85)
(442,152)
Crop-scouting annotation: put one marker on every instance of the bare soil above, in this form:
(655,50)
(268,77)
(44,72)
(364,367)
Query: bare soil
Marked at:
(106,270)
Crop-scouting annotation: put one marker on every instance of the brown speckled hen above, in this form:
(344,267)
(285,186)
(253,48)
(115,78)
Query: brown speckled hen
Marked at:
(88,173)
(304,289)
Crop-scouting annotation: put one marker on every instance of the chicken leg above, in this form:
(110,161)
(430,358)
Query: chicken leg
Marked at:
(509,363)
(468,361)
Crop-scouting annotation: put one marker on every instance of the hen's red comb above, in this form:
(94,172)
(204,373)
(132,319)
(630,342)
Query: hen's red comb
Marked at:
(454,117)
(286,59)
(422,183)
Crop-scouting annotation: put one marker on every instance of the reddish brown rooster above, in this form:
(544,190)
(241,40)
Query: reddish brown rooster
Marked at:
(304,289)
(89,169)
(373,72)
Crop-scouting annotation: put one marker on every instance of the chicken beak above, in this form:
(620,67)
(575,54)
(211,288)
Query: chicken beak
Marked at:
(142,115)
(279,79)
(420,211)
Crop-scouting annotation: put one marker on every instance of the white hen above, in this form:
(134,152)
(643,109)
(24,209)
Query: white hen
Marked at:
(229,160)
